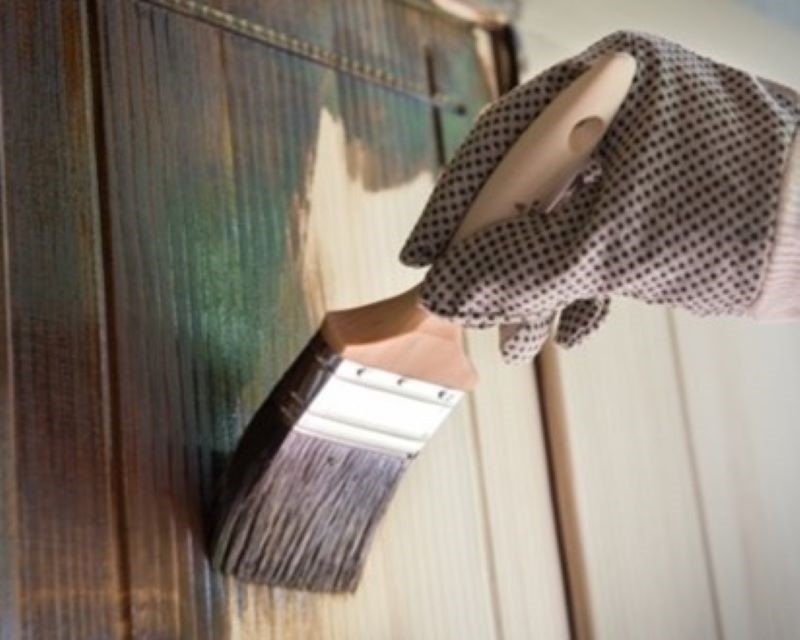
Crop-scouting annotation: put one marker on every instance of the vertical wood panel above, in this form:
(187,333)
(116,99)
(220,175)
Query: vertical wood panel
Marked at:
(530,593)
(428,562)
(637,558)
(206,140)
(741,382)
(59,570)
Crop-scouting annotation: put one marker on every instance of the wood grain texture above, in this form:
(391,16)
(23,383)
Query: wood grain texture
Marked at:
(733,383)
(205,145)
(740,382)
(529,591)
(59,571)
(634,535)
(245,186)
(250,188)
(429,561)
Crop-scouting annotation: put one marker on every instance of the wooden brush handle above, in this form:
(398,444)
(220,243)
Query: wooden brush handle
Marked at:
(548,155)
(398,334)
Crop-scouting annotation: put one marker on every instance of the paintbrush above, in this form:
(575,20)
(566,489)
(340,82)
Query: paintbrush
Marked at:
(322,457)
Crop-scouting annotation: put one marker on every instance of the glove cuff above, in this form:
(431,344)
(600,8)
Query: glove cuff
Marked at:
(780,293)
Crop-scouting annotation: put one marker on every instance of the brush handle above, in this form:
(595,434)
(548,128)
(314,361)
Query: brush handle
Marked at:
(548,155)
(398,334)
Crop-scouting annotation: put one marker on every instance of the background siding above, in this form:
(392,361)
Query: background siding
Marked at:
(677,431)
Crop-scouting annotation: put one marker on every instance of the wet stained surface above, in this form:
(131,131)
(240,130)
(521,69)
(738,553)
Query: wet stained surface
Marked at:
(212,146)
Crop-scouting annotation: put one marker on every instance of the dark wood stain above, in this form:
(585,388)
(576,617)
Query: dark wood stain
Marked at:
(58,550)
(152,287)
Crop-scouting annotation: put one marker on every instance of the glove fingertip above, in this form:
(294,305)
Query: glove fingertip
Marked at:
(579,319)
(519,344)
(415,254)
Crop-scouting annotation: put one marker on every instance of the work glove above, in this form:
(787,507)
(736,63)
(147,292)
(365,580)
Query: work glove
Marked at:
(677,205)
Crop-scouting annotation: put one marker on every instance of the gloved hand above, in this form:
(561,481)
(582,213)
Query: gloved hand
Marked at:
(678,206)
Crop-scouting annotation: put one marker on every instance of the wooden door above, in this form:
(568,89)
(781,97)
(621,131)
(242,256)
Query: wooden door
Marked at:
(186,187)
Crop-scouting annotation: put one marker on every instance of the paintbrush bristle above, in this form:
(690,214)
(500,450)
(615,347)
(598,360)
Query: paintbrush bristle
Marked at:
(308,521)
(316,469)
(295,510)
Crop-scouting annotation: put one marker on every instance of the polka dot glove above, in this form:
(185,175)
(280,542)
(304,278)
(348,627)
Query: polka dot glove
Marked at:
(677,207)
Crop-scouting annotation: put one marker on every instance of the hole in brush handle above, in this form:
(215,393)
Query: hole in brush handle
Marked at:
(586,135)
(554,148)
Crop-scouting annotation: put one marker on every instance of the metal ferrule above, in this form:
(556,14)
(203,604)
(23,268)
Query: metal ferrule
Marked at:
(372,408)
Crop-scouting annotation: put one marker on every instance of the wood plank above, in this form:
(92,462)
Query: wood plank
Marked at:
(632,527)
(427,576)
(521,528)
(740,383)
(431,542)
(60,575)
(204,140)
(633,532)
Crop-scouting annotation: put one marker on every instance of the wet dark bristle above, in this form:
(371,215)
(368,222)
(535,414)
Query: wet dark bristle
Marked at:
(295,510)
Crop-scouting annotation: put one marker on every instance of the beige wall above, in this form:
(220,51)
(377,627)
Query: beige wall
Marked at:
(677,437)
(732,31)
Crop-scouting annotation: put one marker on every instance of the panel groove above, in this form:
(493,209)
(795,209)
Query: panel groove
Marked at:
(489,543)
(694,471)
(108,327)
(9,492)
(563,516)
